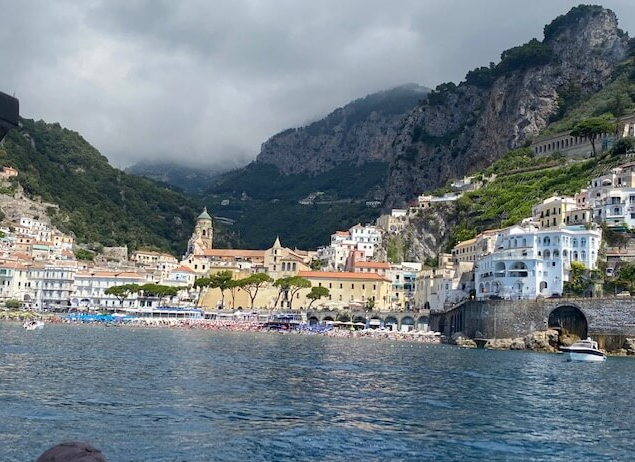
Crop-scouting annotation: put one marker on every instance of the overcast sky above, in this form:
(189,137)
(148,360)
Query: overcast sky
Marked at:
(206,82)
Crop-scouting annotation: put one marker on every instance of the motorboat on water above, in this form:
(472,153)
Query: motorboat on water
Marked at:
(33,324)
(583,350)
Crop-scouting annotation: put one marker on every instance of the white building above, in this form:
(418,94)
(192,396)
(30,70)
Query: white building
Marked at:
(528,262)
(367,238)
(362,239)
(91,284)
(52,284)
(15,283)
(450,283)
(612,197)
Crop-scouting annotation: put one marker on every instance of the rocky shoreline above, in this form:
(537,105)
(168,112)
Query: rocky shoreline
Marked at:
(548,341)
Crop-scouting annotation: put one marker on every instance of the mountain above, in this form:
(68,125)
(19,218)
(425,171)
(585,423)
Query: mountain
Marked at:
(461,128)
(360,132)
(97,202)
(190,180)
(373,148)
(340,161)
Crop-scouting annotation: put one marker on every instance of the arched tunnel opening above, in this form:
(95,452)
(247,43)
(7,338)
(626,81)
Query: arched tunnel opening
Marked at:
(569,319)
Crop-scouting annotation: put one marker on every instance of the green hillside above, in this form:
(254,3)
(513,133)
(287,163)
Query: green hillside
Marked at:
(98,203)
(264,203)
(265,182)
(522,181)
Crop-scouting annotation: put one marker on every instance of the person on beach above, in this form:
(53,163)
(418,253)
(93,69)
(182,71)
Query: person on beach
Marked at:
(72,451)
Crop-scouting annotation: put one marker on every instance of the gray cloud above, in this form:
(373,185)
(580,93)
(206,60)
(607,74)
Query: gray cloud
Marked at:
(207,82)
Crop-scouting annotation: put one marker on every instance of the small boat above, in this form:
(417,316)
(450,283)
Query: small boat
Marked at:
(33,325)
(583,350)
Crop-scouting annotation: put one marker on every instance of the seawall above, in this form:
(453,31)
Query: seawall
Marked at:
(610,320)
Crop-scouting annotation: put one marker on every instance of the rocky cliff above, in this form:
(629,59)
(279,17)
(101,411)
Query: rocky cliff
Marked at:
(362,131)
(428,233)
(462,128)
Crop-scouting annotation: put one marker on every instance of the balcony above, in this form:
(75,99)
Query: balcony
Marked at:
(506,255)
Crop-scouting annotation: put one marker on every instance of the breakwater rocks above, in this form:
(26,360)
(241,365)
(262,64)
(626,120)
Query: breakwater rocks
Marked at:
(628,348)
(546,341)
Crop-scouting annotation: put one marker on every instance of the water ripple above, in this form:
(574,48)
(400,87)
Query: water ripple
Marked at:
(164,395)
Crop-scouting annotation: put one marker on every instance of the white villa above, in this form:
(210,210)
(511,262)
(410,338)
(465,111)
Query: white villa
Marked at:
(363,240)
(528,262)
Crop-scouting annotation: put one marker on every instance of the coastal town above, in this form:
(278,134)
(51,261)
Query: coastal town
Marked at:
(41,271)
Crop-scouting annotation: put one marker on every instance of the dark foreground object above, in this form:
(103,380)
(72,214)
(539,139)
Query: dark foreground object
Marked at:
(9,113)
(72,451)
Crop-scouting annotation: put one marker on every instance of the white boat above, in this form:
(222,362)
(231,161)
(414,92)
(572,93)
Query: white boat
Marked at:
(33,324)
(583,350)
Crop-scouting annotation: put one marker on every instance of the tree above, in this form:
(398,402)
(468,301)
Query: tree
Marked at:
(12,304)
(317,293)
(288,287)
(233,286)
(82,254)
(626,275)
(624,145)
(252,284)
(200,284)
(592,128)
(122,292)
(220,281)
(578,279)
(158,290)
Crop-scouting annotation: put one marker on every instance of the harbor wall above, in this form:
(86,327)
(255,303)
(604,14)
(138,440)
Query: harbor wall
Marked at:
(610,320)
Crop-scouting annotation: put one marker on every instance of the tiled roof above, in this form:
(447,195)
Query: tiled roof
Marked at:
(340,275)
(372,264)
(234,253)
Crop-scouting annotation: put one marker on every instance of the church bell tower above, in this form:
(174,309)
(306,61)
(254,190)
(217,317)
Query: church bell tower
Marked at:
(203,235)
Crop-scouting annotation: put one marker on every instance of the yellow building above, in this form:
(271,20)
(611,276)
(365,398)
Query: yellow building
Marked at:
(281,261)
(552,212)
(354,290)
(470,250)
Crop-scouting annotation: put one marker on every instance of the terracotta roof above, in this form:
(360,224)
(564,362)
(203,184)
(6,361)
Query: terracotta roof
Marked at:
(152,252)
(372,264)
(111,274)
(341,275)
(342,233)
(183,269)
(234,253)
(465,243)
(14,265)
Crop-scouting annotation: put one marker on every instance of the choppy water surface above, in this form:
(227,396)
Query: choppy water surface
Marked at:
(163,395)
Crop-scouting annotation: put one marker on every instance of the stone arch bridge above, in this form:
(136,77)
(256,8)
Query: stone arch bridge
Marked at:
(609,320)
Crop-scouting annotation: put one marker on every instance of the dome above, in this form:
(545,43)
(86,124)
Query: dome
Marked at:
(204,215)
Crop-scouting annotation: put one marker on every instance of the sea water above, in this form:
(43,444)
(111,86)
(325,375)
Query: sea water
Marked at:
(191,395)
